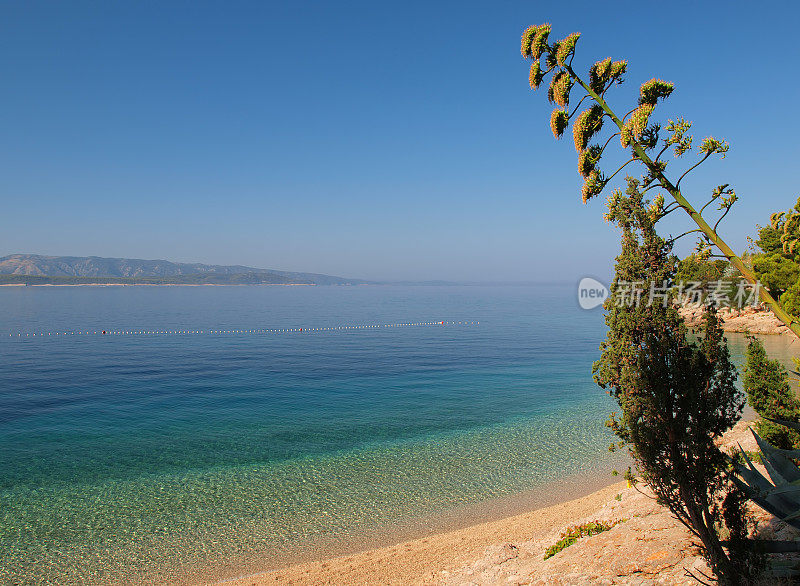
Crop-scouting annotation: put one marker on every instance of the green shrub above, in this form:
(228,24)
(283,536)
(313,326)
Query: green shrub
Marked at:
(695,268)
(766,383)
(776,272)
(573,534)
(791,299)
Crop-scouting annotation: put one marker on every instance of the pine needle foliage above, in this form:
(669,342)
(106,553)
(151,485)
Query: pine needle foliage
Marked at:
(778,265)
(676,396)
(766,383)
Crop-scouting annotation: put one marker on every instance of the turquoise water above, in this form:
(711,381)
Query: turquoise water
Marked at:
(160,458)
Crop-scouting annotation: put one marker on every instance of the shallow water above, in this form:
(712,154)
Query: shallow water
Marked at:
(152,458)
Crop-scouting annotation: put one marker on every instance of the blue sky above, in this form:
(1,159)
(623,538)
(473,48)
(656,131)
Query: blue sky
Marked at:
(366,139)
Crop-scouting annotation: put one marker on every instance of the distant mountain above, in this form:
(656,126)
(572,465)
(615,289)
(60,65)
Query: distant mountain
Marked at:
(35,268)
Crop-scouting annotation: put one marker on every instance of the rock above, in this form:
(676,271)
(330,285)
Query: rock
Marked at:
(500,555)
(747,319)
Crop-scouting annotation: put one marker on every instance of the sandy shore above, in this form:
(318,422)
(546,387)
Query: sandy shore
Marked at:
(646,546)
(420,560)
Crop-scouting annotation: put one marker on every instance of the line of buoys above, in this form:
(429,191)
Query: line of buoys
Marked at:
(222,332)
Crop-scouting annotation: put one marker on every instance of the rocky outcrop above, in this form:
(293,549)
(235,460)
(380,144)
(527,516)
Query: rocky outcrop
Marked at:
(749,319)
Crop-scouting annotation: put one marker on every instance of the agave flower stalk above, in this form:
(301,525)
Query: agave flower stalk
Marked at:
(637,133)
(684,204)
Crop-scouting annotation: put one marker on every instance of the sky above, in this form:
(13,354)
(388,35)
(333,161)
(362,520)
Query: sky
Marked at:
(376,140)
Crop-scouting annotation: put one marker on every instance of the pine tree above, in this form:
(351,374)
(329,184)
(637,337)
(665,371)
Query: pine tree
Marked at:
(767,385)
(677,397)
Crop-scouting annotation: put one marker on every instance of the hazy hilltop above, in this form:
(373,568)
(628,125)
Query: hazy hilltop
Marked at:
(34,268)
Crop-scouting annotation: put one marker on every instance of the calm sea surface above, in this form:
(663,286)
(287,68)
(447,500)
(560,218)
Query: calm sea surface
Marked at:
(167,457)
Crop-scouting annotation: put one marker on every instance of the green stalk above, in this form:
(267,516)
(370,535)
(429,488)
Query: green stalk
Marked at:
(791,322)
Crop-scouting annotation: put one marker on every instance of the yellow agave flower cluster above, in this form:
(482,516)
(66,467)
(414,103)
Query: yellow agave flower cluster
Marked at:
(588,159)
(678,136)
(656,209)
(789,224)
(711,145)
(649,93)
(593,185)
(587,124)
(566,48)
(534,41)
(534,46)
(557,55)
(536,75)
(605,71)
(558,91)
(558,122)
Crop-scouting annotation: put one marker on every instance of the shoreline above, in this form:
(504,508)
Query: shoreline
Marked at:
(416,560)
(424,530)
(645,546)
(165,285)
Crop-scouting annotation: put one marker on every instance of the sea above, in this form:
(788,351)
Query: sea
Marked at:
(218,431)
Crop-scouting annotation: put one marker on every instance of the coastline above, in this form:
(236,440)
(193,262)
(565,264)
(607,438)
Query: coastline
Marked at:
(416,561)
(646,546)
(163,285)
(510,545)
(450,535)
